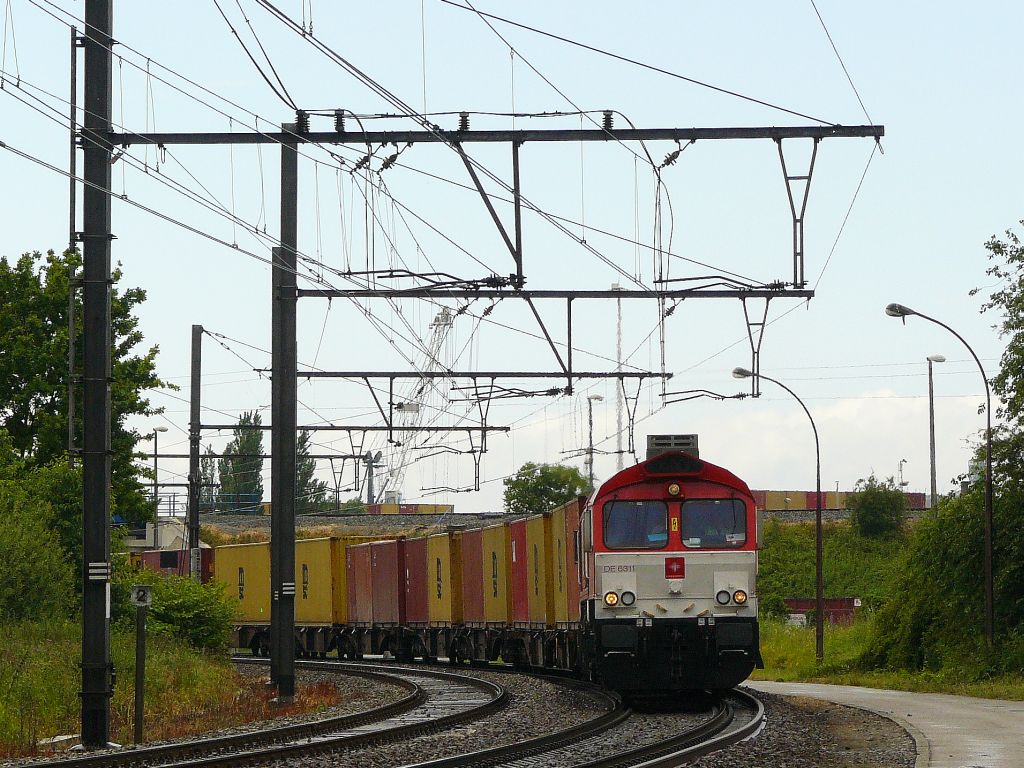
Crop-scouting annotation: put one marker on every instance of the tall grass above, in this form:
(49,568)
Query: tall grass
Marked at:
(788,654)
(187,691)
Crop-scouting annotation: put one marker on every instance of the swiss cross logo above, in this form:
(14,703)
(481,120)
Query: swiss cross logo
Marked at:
(675,567)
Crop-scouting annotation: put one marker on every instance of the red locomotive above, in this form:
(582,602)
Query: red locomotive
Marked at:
(668,577)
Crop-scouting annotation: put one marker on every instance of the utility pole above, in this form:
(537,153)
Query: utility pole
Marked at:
(97,671)
(618,369)
(590,437)
(194,424)
(931,426)
(72,242)
(284,418)
(370,460)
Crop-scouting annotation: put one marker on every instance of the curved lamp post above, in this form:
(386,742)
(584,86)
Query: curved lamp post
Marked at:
(898,310)
(819,590)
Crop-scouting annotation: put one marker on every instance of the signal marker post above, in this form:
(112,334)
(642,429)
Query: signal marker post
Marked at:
(142,598)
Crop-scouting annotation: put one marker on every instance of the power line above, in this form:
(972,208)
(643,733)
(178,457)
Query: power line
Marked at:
(841,62)
(638,63)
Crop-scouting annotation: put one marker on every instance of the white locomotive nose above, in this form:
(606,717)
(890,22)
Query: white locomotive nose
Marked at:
(675,586)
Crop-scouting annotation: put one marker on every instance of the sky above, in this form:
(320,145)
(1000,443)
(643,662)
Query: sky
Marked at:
(904,221)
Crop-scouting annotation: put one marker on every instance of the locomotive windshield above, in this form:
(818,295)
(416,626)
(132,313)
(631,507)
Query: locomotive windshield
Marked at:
(714,523)
(635,525)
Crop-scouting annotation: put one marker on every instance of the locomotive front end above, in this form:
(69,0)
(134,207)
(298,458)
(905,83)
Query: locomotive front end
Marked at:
(670,569)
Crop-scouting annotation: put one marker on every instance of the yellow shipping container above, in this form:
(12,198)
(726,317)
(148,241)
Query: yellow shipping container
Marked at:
(497,569)
(538,595)
(314,581)
(244,569)
(557,554)
(444,563)
(776,500)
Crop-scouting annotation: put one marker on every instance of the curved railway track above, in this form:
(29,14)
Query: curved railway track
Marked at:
(436,701)
(605,741)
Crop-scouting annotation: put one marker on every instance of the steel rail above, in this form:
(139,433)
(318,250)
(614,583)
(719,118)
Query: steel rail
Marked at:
(302,738)
(668,754)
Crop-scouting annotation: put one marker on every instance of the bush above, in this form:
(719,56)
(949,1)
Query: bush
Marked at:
(854,566)
(36,580)
(935,616)
(200,614)
(876,507)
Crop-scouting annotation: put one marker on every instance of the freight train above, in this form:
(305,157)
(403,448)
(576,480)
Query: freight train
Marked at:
(649,586)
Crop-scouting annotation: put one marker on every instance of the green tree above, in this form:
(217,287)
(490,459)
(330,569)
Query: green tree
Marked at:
(311,493)
(208,481)
(876,506)
(353,506)
(240,468)
(34,370)
(538,488)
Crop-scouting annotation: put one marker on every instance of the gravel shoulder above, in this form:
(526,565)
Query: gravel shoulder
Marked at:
(804,732)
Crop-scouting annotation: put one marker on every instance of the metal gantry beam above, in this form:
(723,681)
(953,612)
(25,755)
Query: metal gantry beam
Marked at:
(491,293)
(503,136)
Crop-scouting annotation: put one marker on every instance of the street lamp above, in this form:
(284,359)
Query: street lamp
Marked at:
(590,436)
(902,484)
(898,310)
(819,589)
(931,422)
(156,497)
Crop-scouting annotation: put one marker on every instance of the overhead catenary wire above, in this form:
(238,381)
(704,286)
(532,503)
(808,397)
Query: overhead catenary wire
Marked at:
(279,90)
(39,4)
(841,62)
(637,63)
(382,229)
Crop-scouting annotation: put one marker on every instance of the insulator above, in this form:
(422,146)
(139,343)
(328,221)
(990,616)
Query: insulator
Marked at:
(463,121)
(339,121)
(607,123)
(302,121)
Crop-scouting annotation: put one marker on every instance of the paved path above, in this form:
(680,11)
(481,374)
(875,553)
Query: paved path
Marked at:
(950,731)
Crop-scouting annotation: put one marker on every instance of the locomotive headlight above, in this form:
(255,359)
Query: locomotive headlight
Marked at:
(723,597)
(673,489)
(611,599)
(739,597)
(627,598)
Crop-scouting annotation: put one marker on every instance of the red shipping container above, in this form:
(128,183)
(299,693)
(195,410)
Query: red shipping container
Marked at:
(177,562)
(760,499)
(416,582)
(915,500)
(519,576)
(360,584)
(472,577)
(812,497)
(573,511)
(387,565)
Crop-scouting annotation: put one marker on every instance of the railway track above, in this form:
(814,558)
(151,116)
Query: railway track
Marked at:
(622,739)
(436,701)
